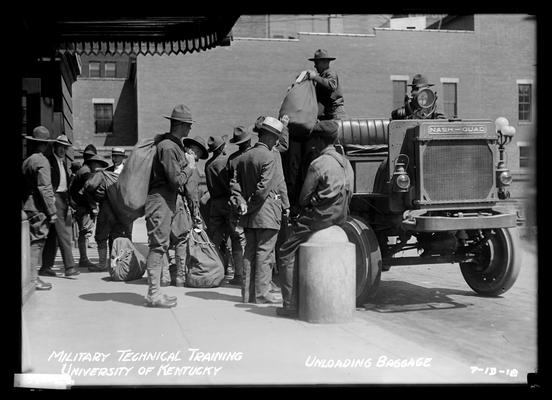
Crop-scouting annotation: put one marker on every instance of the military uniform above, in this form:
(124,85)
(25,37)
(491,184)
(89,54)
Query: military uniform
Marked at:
(324,198)
(218,225)
(38,204)
(84,212)
(330,95)
(259,179)
(169,175)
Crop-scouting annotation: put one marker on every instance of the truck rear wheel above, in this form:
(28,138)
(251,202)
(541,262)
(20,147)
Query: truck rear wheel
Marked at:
(496,264)
(368,258)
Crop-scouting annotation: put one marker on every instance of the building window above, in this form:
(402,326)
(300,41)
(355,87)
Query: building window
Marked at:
(524,157)
(94,69)
(103,117)
(524,99)
(110,69)
(450,99)
(399,90)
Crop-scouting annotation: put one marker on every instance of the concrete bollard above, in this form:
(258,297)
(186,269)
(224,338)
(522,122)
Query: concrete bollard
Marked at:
(327,277)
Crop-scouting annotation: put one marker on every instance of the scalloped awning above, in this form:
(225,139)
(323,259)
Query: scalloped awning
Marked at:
(129,35)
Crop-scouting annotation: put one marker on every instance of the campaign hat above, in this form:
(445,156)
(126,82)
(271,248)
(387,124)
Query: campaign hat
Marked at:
(199,141)
(99,159)
(215,142)
(40,134)
(321,54)
(420,81)
(181,113)
(240,135)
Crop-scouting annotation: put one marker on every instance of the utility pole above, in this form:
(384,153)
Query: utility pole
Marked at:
(268,26)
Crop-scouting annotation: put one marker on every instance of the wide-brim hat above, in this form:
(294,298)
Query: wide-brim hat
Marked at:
(240,135)
(420,81)
(40,134)
(321,54)
(117,151)
(97,158)
(269,124)
(181,113)
(215,142)
(198,141)
(63,140)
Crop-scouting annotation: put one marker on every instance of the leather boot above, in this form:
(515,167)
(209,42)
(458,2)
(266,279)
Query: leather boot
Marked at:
(84,262)
(103,260)
(180,258)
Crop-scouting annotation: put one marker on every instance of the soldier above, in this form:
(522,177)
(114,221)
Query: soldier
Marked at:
(218,226)
(170,171)
(421,104)
(86,209)
(256,188)
(242,138)
(187,215)
(38,199)
(108,227)
(328,88)
(63,228)
(324,198)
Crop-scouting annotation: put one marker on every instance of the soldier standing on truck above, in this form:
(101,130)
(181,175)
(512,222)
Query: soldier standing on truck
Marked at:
(328,89)
(422,102)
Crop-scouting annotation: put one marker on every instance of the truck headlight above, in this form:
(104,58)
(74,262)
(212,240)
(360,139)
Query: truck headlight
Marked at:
(505,178)
(401,180)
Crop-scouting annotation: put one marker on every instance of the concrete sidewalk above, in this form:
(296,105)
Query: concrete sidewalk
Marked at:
(211,338)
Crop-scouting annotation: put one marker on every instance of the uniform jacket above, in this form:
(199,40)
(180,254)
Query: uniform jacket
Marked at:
(169,170)
(258,179)
(77,184)
(328,90)
(55,172)
(216,178)
(38,194)
(327,190)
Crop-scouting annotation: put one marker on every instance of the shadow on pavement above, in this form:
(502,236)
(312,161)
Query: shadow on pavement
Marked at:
(121,297)
(399,296)
(269,311)
(212,295)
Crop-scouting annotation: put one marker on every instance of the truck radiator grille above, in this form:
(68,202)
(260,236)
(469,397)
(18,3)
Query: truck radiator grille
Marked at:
(456,170)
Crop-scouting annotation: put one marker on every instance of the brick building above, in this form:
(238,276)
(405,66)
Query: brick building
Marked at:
(105,97)
(484,72)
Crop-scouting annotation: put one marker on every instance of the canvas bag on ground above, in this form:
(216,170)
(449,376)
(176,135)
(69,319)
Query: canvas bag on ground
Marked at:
(127,263)
(204,265)
(128,196)
(301,106)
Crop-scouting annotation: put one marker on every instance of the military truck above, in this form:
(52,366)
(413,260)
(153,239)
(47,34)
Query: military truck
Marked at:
(430,191)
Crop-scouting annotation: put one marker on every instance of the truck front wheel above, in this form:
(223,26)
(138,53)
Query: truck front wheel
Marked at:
(368,258)
(496,262)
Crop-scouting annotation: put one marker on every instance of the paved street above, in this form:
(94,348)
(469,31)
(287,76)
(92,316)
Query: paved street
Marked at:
(424,326)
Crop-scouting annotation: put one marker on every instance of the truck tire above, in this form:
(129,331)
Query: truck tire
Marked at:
(368,258)
(496,265)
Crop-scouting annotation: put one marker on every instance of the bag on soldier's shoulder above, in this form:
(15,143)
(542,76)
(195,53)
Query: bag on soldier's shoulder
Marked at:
(301,106)
(128,196)
(204,265)
(99,183)
(127,263)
